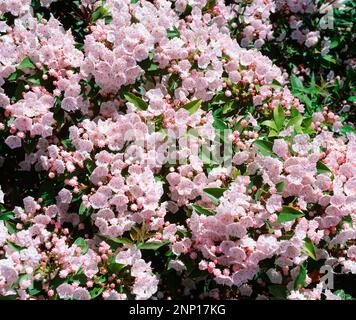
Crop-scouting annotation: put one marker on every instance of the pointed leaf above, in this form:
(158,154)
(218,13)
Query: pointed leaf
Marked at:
(296,121)
(136,101)
(152,246)
(289,214)
(300,279)
(214,193)
(99,13)
(321,167)
(202,210)
(192,106)
(26,64)
(265,147)
(81,243)
(270,124)
(280,186)
(279,116)
(173,33)
(309,249)
(296,83)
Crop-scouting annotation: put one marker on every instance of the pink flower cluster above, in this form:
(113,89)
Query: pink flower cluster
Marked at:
(231,242)
(257,28)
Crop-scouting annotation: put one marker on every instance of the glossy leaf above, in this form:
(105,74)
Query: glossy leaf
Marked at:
(309,249)
(136,101)
(192,106)
(201,210)
(289,214)
(214,193)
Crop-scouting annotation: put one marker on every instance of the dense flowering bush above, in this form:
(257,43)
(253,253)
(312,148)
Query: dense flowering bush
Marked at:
(175,149)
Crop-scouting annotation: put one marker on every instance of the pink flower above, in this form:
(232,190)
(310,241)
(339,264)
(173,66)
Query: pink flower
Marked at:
(81,294)
(240,158)
(69,104)
(65,291)
(145,286)
(274,203)
(128,257)
(30,204)
(13,142)
(65,196)
(98,200)
(280,147)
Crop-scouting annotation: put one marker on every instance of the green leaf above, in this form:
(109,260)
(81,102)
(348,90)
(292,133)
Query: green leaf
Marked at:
(26,64)
(173,33)
(348,220)
(272,133)
(192,106)
(309,249)
(187,11)
(79,276)
(296,83)
(321,167)
(219,124)
(299,281)
(346,129)
(305,99)
(67,143)
(264,147)
(218,99)
(329,58)
(89,165)
(83,211)
(280,186)
(296,121)
(228,107)
(209,5)
(99,13)
(275,84)
(96,292)
(307,122)
(202,210)
(334,43)
(10,227)
(14,247)
(270,124)
(279,116)
(173,83)
(294,112)
(152,246)
(9,297)
(289,214)
(33,291)
(108,19)
(81,243)
(15,75)
(136,101)
(152,67)
(343,295)
(121,240)
(278,291)
(35,79)
(116,267)
(214,194)
(6,216)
